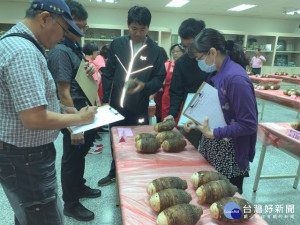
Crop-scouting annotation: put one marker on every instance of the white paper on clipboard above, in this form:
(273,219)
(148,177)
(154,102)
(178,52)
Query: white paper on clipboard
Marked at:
(206,103)
(183,119)
(105,115)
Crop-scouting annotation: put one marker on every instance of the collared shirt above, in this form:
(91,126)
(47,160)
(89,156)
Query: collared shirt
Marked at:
(237,99)
(64,61)
(25,83)
(256,62)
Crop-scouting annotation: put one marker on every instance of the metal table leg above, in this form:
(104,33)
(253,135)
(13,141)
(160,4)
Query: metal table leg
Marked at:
(259,167)
(297,177)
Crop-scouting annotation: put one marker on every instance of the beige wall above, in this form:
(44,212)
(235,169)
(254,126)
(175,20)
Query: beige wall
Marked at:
(13,12)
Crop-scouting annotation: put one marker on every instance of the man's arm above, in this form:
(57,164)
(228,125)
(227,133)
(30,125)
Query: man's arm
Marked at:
(262,58)
(108,73)
(64,93)
(40,118)
(158,76)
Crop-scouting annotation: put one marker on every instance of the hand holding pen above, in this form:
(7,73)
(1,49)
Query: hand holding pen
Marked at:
(87,114)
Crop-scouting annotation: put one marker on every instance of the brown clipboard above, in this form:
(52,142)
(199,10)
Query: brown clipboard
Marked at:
(88,85)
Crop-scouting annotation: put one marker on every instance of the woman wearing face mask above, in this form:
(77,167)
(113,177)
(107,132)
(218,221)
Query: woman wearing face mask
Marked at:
(229,149)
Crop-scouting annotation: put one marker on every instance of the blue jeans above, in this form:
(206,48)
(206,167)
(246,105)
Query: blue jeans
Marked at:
(28,178)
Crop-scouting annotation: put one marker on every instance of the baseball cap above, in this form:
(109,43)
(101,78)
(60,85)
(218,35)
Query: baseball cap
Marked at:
(58,7)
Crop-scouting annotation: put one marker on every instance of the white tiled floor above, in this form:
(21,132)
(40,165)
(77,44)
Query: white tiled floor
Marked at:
(271,194)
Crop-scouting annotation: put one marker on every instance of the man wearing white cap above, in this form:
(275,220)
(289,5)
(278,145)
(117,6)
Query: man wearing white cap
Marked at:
(30,116)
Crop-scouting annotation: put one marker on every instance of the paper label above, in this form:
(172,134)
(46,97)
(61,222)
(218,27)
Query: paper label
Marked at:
(294,134)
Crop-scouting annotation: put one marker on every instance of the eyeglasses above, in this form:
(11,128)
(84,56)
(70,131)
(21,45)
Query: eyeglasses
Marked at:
(175,52)
(83,27)
(66,32)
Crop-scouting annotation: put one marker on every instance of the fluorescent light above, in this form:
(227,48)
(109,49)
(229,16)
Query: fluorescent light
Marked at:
(107,1)
(177,3)
(241,7)
(296,12)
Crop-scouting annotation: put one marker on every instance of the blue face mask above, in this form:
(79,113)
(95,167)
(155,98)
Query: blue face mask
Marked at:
(206,68)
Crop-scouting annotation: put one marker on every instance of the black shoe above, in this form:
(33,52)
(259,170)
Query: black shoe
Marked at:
(88,192)
(79,212)
(106,180)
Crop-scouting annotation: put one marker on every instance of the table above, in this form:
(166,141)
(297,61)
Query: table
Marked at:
(278,97)
(276,134)
(136,170)
(264,80)
(286,78)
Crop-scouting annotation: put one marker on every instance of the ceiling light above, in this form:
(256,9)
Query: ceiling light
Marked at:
(295,12)
(177,3)
(108,1)
(241,7)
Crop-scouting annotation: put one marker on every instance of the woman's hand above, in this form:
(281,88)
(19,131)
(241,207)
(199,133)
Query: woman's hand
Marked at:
(188,126)
(204,128)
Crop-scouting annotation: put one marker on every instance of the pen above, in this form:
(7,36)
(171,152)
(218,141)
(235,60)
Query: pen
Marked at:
(87,104)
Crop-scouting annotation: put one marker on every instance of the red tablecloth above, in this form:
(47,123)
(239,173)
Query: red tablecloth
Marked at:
(276,134)
(135,171)
(262,80)
(278,97)
(286,78)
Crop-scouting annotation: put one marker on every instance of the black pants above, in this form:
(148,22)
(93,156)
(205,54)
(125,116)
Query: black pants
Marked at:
(194,136)
(256,71)
(238,181)
(73,163)
(128,121)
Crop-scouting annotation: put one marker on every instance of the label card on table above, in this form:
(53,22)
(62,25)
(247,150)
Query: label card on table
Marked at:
(124,133)
(294,134)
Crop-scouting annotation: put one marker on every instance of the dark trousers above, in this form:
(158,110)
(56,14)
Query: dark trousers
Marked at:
(194,136)
(28,178)
(256,71)
(128,121)
(73,164)
(238,181)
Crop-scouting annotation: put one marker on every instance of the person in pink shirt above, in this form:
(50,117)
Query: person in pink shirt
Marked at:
(257,62)
(91,49)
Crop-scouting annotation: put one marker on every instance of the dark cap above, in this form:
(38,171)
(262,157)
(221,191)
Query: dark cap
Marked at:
(58,7)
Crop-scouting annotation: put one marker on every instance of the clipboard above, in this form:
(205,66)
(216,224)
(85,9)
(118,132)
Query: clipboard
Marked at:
(105,115)
(206,103)
(183,119)
(87,84)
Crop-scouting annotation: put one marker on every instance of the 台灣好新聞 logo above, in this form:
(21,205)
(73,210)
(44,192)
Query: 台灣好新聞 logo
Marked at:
(232,211)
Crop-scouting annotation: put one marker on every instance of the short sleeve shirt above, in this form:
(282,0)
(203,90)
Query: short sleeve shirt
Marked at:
(256,62)
(25,83)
